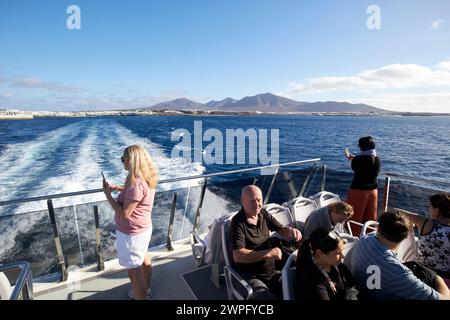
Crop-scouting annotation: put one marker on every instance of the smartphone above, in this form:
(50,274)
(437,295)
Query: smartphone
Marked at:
(104,179)
(347,153)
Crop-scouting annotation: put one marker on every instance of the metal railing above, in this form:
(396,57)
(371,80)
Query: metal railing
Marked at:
(203,176)
(100,261)
(24,282)
(418,179)
(390,176)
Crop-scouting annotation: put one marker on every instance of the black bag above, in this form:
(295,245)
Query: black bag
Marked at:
(425,274)
(286,247)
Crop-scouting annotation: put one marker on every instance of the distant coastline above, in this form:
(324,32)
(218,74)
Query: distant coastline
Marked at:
(29,115)
(260,104)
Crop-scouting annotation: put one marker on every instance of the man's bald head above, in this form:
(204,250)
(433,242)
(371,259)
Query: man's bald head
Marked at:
(251,199)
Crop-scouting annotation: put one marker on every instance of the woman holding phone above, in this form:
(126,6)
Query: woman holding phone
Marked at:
(133,209)
(363,193)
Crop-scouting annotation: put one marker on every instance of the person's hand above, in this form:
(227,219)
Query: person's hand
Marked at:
(296,234)
(350,157)
(276,253)
(107,188)
(113,187)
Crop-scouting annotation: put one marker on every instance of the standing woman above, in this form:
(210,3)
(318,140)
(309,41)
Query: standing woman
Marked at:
(363,193)
(133,209)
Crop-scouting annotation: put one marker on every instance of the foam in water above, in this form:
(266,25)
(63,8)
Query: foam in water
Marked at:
(70,159)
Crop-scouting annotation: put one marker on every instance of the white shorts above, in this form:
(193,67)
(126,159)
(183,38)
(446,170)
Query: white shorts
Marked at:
(131,249)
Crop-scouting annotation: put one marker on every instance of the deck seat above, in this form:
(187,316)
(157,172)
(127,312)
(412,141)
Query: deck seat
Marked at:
(237,287)
(5,287)
(301,208)
(288,275)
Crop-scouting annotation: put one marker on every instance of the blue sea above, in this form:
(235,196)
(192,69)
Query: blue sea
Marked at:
(46,156)
(56,155)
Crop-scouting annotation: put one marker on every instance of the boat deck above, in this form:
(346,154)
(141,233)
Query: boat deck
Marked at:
(175,277)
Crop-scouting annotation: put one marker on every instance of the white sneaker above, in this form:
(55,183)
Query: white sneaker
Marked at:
(147,297)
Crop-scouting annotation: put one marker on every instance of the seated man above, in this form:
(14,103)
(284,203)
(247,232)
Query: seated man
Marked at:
(253,253)
(332,217)
(381,275)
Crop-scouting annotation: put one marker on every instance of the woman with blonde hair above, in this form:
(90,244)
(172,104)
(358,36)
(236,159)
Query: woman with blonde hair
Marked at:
(133,209)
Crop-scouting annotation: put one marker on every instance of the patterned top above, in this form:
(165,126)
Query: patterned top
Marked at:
(434,247)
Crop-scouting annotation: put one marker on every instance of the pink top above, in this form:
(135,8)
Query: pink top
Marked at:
(140,219)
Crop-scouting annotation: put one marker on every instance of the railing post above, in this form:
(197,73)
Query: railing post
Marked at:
(272,183)
(200,204)
(170,229)
(59,251)
(387,184)
(290,184)
(302,191)
(24,282)
(98,245)
(324,178)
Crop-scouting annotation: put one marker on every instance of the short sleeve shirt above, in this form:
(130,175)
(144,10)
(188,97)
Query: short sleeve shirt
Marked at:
(254,237)
(140,219)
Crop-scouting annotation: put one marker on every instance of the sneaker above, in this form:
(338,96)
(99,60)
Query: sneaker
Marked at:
(147,297)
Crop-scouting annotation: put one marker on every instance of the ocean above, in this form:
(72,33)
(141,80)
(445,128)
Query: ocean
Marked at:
(56,155)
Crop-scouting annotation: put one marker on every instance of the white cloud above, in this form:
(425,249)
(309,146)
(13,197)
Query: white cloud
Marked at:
(437,23)
(413,102)
(34,83)
(385,87)
(444,65)
(55,96)
(85,101)
(396,76)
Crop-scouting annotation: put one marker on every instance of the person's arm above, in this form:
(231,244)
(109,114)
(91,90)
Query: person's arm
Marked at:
(244,255)
(309,286)
(290,233)
(417,220)
(441,287)
(320,292)
(354,163)
(124,211)
(133,197)
(377,165)
(405,285)
(117,188)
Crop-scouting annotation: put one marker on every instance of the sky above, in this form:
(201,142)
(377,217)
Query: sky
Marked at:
(392,54)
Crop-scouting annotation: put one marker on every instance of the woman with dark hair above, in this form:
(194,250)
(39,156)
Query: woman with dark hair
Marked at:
(320,275)
(363,193)
(434,234)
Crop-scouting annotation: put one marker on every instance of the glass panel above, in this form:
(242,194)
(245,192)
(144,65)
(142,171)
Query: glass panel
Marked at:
(410,197)
(29,237)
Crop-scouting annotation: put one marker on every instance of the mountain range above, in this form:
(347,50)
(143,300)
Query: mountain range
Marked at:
(265,102)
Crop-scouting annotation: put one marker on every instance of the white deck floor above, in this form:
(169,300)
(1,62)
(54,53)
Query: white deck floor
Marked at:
(114,284)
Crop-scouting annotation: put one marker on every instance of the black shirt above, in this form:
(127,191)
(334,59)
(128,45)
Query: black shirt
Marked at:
(254,237)
(366,170)
(311,283)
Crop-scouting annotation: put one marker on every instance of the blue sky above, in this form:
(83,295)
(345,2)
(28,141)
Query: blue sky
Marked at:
(138,53)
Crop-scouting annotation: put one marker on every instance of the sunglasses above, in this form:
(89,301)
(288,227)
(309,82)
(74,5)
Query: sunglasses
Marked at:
(122,159)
